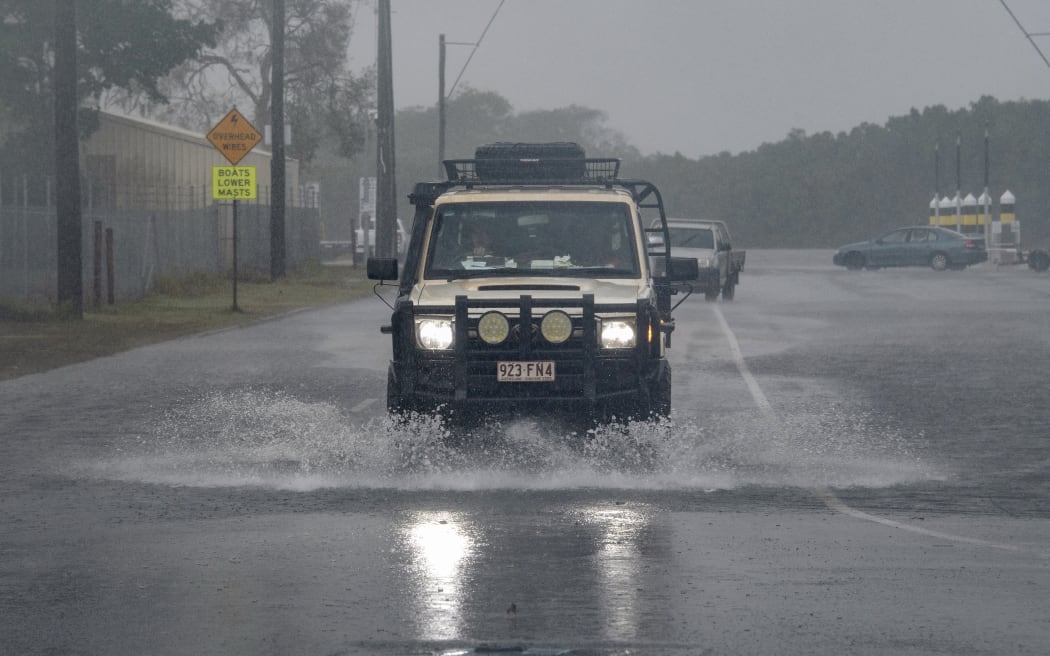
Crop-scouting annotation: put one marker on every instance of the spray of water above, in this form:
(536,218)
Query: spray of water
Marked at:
(263,438)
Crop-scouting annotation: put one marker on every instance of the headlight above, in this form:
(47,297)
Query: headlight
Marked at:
(617,333)
(556,327)
(704,263)
(434,334)
(493,327)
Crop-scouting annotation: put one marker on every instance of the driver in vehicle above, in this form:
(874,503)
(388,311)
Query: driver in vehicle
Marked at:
(604,246)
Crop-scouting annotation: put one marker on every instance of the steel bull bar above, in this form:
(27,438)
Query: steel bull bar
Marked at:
(473,362)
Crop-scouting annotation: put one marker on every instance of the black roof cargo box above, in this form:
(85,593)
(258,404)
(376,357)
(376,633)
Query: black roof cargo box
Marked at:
(530,161)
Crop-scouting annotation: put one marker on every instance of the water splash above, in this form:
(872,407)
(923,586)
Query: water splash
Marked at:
(270,439)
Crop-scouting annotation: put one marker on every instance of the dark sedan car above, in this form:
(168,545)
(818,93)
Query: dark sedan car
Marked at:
(937,248)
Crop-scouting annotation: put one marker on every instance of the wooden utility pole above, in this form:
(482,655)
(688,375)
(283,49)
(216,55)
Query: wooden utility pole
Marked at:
(277,170)
(67,162)
(386,186)
(441,107)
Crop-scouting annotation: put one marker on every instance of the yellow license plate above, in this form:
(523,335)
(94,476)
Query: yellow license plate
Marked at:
(525,372)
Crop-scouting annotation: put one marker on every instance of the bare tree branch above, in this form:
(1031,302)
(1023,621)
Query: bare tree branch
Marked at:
(324,99)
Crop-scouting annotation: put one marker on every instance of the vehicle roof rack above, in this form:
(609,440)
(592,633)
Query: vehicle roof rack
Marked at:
(532,170)
(644,192)
(562,163)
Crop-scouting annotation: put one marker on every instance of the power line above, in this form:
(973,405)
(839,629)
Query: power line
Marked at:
(1027,34)
(478,45)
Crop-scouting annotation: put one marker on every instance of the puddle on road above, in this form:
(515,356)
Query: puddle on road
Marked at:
(251,438)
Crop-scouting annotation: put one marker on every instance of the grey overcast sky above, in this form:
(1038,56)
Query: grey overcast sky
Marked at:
(704,76)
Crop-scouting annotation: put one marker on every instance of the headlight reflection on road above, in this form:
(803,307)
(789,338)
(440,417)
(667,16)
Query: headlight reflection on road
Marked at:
(439,546)
(618,566)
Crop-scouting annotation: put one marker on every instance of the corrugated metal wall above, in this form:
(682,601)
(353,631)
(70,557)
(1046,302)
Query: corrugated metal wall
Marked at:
(149,164)
(150,185)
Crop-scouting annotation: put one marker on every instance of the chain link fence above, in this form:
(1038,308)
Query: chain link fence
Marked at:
(132,237)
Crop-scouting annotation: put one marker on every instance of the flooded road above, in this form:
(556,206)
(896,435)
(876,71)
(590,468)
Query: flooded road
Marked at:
(856,463)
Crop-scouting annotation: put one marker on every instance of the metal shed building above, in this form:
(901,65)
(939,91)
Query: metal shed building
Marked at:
(137,163)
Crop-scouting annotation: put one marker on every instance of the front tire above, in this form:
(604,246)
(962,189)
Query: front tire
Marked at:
(730,289)
(660,394)
(397,404)
(655,402)
(1039,260)
(854,261)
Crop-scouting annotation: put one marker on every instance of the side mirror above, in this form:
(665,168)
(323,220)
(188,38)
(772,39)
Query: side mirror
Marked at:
(684,269)
(382,268)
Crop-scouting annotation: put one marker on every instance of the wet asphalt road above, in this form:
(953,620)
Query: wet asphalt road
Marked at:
(857,463)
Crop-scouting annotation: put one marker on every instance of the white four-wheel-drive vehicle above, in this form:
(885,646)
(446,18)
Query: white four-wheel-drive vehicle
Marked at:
(531,284)
(709,242)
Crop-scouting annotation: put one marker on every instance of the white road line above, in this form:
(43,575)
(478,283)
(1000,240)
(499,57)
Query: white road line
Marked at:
(738,358)
(362,405)
(835,503)
(826,495)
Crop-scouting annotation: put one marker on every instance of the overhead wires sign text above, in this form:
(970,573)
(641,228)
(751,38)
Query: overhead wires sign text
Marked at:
(234,136)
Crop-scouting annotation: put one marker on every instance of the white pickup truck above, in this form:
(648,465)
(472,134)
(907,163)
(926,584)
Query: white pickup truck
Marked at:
(708,242)
(333,248)
(359,239)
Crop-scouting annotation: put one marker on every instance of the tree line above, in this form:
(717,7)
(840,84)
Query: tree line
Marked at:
(805,191)
(815,190)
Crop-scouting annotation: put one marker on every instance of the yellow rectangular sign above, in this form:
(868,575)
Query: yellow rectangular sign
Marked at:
(233,183)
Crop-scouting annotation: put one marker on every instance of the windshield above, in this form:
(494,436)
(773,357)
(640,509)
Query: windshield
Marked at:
(567,238)
(691,237)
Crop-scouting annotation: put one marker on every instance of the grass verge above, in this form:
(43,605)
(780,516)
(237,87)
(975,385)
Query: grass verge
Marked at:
(35,338)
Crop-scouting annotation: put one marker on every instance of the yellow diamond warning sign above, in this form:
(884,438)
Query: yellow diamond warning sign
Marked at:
(234,136)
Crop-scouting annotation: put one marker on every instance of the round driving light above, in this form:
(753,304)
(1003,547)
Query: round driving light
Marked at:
(556,327)
(493,327)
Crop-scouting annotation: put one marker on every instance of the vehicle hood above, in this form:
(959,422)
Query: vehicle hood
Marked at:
(440,292)
(698,253)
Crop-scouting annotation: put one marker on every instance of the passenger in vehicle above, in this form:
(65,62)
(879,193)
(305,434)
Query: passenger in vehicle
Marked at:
(481,240)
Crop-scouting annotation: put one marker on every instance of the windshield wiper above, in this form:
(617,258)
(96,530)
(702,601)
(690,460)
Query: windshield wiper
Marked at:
(488,273)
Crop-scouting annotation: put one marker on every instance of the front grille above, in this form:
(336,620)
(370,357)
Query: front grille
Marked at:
(581,370)
(525,343)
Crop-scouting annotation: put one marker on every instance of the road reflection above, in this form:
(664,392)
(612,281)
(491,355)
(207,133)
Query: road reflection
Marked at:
(588,568)
(440,548)
(618,564)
